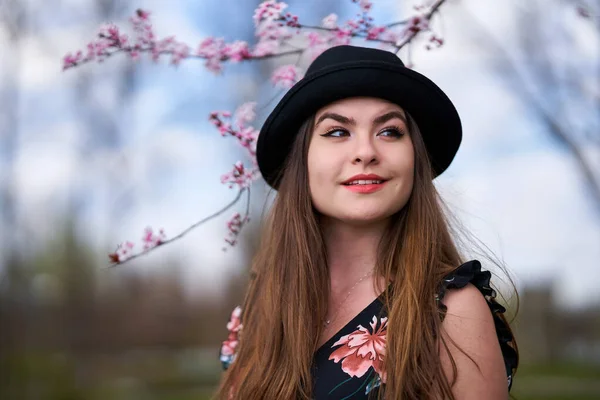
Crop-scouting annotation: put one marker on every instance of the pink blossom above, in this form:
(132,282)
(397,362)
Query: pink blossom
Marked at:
(314,39)
(245,113)
(365,5)
(330,21)
(237,51)
(417,24)
(342,36)
(353,26)
(239,176)
(179,52)
(91,50)
(271,23)
(235,225)
(268,10)
(110,37)
(142,14)
(134,54)
(212,49)
(285,76)
(109,31)
(375,32)
(214,65)
(265,47)
(318,43)
(292,20)
(225,128)
(390,36)
(71,60)
(435,42)
(272,30)
(142,27)
(122,253)
(245,134)
(98,49)
(152,240)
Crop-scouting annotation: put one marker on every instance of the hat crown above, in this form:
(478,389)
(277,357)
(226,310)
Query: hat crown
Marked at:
(339,55)
(349,71)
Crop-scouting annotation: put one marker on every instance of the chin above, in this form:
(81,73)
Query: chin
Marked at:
(365,216)
(358,213)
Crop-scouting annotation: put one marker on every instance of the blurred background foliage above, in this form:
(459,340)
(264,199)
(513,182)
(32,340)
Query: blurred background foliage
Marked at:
(71,328)
(74,329)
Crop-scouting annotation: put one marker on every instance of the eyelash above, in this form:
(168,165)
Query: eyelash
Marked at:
(398,131)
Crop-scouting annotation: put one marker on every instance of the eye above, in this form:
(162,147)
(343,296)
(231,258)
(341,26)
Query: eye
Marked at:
(336,132)
(394,132)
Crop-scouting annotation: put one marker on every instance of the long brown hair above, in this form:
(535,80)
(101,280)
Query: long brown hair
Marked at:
(285,303)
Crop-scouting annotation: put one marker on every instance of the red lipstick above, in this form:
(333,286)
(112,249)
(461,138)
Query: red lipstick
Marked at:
(364,183)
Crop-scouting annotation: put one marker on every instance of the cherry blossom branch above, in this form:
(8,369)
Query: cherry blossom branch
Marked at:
(236,223)
(428,15)
(420,23)
(275,30)
(118,257)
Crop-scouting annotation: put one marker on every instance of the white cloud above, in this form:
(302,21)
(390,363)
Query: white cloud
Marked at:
(46,166)
(531,210)
(42,51)
(528,206)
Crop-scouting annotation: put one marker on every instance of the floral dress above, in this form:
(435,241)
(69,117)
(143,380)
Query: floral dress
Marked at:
(349,365)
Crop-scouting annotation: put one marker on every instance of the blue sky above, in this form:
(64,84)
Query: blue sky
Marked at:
(511,185)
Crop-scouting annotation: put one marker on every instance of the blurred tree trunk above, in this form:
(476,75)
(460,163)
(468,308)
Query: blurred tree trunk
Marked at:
(555,76)
(105,123)
(13,282)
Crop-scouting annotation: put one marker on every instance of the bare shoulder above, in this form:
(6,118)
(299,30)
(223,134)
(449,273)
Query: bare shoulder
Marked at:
(470,334)
(467,301)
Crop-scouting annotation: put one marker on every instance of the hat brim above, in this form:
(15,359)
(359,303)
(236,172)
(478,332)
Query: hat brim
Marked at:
(429,106)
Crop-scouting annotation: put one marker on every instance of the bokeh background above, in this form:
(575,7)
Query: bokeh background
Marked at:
(91,156)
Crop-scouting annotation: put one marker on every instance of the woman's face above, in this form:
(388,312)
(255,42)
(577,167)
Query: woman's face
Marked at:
(360,160)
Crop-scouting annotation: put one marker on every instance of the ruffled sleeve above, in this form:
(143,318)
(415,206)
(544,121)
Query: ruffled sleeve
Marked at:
(470,272)
(228,348)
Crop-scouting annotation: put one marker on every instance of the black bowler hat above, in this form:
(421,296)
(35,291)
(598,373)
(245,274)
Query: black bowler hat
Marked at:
(349,71)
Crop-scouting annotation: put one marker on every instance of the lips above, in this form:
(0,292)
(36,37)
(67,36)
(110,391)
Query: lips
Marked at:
(365,183)
(364,179)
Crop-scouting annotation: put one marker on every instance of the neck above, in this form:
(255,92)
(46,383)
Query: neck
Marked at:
(351,250)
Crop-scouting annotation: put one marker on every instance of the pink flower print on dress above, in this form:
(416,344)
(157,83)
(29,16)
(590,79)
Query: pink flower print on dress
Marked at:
(234,326)
(362,349)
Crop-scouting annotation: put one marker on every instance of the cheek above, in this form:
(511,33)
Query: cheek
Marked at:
(321,166)
(323,171)
(314,173)
(403,165)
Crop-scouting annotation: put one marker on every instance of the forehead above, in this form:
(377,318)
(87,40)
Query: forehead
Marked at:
(368,107)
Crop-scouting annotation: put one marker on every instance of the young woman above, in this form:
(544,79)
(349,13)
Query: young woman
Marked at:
(358,289)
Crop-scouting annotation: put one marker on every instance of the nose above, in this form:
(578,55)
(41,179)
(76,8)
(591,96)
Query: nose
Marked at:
(365,151)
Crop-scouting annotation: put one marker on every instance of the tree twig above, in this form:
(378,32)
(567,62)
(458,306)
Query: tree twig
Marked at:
(554,128)
(191,227)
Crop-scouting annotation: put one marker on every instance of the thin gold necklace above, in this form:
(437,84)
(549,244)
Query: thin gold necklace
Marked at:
(330,320)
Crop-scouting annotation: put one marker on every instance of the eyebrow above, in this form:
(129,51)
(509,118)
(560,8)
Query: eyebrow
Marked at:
(351,121)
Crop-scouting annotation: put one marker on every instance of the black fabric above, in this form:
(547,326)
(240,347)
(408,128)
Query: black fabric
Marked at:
(345,367)
(470,272)
(349,71)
